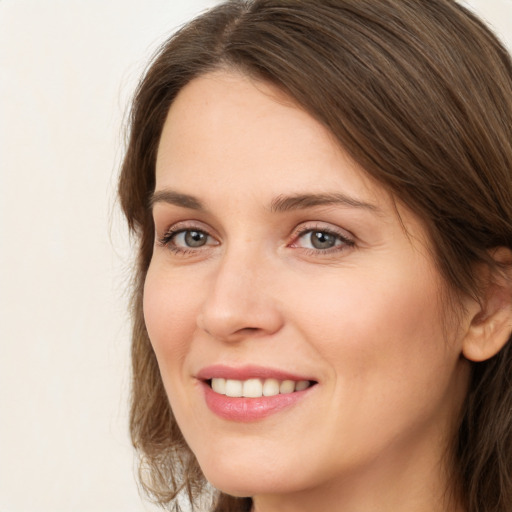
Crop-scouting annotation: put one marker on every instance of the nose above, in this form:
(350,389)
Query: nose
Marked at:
(241,301)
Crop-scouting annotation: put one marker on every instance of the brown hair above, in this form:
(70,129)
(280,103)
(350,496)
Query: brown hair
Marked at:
(419,93)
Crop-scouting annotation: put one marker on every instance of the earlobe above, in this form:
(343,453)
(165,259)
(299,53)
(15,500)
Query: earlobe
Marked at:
(491,326)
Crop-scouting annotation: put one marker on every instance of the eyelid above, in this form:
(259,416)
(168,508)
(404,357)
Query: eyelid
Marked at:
(304,227)
(183,225)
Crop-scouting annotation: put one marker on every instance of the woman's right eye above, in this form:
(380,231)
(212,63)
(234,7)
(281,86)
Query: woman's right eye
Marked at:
(185,240)
(190,238)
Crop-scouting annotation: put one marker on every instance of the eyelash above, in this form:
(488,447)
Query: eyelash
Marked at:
(346,242)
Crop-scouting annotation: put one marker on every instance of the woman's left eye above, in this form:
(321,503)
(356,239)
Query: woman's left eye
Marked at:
(321,240)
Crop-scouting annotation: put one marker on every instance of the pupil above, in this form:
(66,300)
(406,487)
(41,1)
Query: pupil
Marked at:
(195,238)
(321,240)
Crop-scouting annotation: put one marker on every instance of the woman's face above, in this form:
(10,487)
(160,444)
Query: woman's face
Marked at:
(282,272)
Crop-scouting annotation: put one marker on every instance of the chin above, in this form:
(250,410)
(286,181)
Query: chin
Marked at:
(245,487)
(249,479)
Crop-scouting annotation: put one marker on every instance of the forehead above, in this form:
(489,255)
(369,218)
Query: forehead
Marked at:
(225,126)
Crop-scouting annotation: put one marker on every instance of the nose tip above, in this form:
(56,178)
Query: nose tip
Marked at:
(239,305)
(236,325)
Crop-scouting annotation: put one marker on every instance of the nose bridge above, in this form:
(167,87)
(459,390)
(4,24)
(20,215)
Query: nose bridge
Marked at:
(239,301)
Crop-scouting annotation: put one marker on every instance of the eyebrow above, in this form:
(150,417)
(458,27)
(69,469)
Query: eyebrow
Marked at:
(303,201)
(176,198)
(279,204)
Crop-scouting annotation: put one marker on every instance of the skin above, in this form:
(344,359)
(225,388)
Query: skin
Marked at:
(363,318)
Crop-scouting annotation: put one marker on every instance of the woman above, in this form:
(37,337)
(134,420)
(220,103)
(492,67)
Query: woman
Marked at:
(322,192)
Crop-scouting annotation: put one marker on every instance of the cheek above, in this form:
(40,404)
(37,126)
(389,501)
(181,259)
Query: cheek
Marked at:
(169,313)
(389,361)
(374,327)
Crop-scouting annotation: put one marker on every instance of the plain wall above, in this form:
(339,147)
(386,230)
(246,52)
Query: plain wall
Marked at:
(67,70)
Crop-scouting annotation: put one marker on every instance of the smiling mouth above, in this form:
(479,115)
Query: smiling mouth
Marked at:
(257,388)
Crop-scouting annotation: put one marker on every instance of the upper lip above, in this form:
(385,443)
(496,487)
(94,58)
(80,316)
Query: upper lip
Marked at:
(247,372)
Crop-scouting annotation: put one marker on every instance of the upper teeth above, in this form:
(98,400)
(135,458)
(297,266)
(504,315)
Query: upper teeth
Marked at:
(255,388)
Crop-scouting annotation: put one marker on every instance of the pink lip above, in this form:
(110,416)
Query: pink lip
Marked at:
(246,372)
(243,409)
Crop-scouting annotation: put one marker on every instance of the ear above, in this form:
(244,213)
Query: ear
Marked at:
(491,325)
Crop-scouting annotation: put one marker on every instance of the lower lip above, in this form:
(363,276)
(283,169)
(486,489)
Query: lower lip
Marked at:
(249,409)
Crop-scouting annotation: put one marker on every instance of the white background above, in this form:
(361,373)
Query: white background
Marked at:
(67,69)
